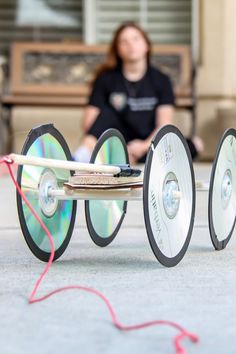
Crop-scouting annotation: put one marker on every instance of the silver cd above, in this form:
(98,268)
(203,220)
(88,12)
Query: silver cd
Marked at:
(222,192)
(169,196)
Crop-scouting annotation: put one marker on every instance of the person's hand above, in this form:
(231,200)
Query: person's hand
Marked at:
(136,149)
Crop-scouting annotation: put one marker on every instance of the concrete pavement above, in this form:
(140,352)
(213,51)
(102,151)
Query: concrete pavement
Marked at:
(199,293)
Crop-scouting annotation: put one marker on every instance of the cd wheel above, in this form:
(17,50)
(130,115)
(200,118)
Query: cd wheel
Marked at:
(169,196)
(58,216)
(222,191)
(104,217)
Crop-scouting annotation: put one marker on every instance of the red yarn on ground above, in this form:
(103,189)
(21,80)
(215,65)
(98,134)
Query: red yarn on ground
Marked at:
(33,299)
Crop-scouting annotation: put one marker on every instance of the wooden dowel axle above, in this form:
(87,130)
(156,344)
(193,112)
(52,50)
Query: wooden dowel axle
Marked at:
(64,164)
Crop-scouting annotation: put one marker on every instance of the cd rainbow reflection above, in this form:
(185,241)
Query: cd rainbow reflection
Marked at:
(105,214)
(58,224)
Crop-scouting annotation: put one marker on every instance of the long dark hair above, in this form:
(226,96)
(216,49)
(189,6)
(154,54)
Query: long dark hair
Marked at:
(113,59)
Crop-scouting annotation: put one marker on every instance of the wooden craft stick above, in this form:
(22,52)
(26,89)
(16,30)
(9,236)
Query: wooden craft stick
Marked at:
(103,186)
(103,179)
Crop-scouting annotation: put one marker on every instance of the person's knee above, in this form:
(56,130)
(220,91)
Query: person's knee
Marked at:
(84,151)
(89,141)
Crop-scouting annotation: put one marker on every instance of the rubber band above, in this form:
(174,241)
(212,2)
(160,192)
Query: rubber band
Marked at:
(33,299)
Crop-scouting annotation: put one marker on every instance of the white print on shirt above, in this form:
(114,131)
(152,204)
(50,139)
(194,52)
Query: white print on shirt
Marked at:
(118,100)
(142,104)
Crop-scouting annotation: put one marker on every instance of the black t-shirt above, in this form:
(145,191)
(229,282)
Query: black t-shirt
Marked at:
(134,102)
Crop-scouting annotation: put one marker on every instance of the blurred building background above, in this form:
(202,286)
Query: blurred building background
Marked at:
(208,27)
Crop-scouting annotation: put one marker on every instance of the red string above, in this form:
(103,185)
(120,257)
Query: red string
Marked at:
(33,299)
(4,170)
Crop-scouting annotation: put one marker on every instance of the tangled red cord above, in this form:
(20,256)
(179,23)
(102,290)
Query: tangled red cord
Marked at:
(32,298)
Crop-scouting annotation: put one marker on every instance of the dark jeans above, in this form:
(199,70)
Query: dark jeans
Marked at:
(109,119)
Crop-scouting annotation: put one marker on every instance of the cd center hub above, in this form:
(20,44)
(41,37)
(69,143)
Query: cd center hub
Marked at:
(171,195)
(47,203)
(226,188)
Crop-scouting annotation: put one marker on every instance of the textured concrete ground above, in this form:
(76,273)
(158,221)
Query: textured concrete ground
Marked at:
(199,293)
